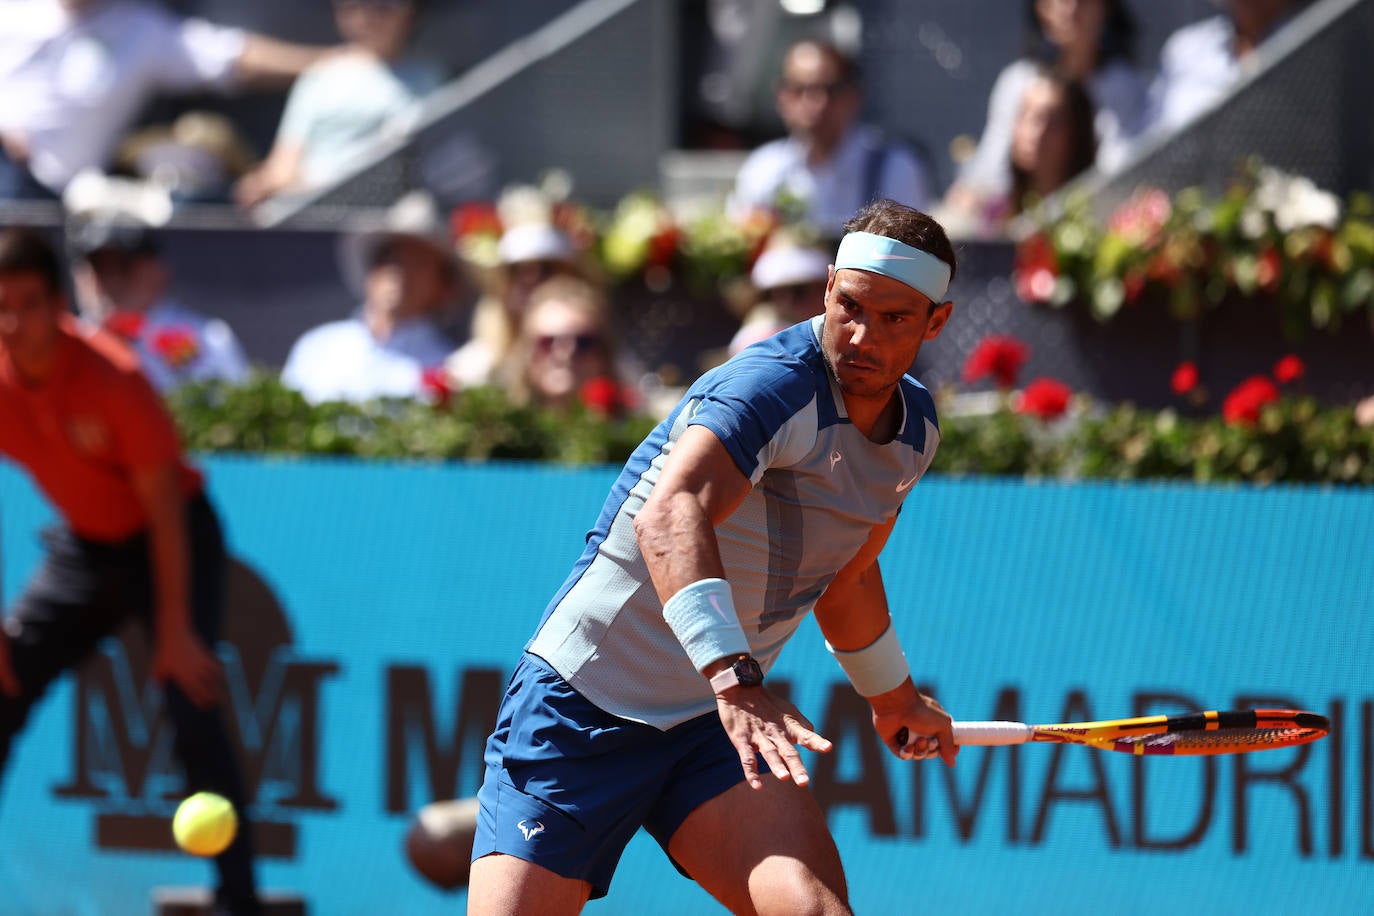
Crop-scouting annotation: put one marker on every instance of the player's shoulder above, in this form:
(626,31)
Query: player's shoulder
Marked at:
(788,364)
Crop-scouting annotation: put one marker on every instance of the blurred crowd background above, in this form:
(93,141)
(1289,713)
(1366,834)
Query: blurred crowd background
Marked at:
(593,201)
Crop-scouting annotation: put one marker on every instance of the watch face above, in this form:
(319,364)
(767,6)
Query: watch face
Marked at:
(749,672)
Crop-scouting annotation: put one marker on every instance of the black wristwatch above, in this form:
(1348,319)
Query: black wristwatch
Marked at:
(743,672)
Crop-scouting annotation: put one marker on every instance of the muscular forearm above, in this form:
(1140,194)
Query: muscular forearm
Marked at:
(678,543)
(170,557)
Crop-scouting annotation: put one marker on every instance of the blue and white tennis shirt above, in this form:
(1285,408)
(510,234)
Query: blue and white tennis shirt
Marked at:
(820,486)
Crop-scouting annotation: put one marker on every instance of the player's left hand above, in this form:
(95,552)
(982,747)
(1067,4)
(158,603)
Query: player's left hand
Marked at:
(181,657)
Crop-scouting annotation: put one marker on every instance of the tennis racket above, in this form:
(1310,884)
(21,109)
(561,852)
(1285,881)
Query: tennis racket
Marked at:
(1198,733)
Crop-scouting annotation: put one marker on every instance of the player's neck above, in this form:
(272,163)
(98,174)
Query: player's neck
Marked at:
(878,417)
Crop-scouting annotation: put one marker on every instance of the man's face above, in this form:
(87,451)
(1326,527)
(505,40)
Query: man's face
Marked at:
(407,278)
(815,102)
(29,315)
(874,327)
(110,280)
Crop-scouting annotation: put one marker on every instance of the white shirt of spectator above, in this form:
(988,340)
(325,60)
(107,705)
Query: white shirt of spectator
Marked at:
(218,354)
(1197,67)
(1118,93)
(834,189)
(73,83)
(344,105)
(342,361)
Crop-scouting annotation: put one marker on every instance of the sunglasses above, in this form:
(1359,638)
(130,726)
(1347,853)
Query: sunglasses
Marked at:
(387,5)
(797,292)
(579,343)
(800,89)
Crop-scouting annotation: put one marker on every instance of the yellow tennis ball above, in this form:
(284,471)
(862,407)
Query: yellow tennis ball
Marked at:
(205,824)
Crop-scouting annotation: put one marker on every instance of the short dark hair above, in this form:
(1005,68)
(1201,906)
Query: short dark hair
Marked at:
(908,225)
(847,66)
(25,250)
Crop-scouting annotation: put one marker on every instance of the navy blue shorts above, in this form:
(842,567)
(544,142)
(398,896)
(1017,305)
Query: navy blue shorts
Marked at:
(568,784)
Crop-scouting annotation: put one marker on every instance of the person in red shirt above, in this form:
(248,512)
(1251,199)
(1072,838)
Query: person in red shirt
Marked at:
(137,535)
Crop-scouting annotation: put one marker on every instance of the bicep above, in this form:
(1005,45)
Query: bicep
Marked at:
(701,468)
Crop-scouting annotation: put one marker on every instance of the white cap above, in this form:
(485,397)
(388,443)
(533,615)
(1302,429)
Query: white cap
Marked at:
(534,242)
(789,265)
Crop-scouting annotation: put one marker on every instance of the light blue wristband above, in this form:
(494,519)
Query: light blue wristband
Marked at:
(702,617)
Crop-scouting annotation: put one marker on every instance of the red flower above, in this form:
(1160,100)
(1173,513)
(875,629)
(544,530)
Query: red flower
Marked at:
(998,357)
(1045,398)
(475,219)
(663,247)
(1243,405)
(605,396)
(177,345)
(435,387)
(1141,220)
(1036,269)
(1268,270)
(1289,369)
(1185,378)
(128,325)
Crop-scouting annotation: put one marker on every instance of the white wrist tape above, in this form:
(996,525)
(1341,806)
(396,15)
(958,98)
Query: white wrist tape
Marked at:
(703,618)
(878,667)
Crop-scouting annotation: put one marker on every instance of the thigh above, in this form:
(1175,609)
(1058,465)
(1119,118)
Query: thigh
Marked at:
(503,885)
(763,851)
(71,603)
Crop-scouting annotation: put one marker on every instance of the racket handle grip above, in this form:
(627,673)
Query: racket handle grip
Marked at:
(991,733)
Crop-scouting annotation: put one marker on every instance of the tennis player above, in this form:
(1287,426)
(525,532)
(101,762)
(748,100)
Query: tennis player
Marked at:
(768,493)
(137,536)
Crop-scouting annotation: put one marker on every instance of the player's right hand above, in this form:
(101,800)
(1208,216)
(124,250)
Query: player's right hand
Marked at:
(762,724)
(9,681)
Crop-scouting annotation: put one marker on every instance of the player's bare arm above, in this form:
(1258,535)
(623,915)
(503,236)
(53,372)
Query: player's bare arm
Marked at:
(179,654)
(854,617)
(700,487)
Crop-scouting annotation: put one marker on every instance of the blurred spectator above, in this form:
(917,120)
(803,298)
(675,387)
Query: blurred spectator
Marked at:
(828,165)
(789,278)
(121,284)
(195,158)
(407,275)
(527,255)
(343,105)
(565,352)
(78,73)
(1053,140)
(1091,41)
(1201,62)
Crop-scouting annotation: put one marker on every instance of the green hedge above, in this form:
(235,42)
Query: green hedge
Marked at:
(1293,439)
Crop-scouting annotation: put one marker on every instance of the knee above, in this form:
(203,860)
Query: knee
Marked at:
(791,889)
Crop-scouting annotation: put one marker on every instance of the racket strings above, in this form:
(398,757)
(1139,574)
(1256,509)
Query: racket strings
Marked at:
(1221,739)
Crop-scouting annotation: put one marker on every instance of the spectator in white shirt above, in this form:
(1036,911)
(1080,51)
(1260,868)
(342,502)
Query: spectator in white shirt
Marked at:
(121,283)
(1201,62)
(829,165)
(343,105)
(78,73)
(1090,41)
(407,275)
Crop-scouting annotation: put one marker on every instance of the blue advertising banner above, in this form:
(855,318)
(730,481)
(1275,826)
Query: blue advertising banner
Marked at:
(376,610)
